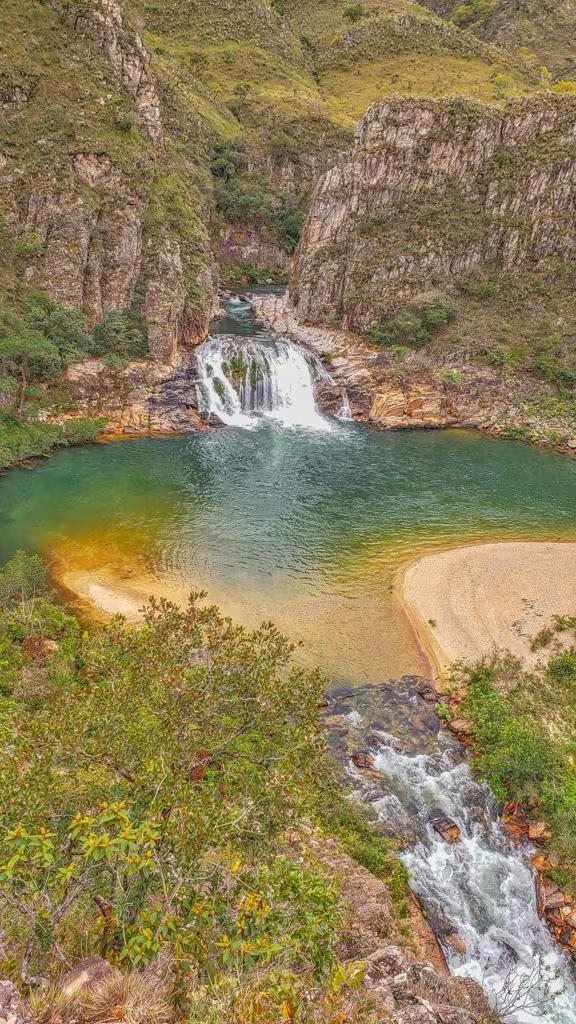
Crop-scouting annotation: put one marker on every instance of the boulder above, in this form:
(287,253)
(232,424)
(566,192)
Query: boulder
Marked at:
(12,1009)
(363,760)
(447,828)
(86,974)
(461,726)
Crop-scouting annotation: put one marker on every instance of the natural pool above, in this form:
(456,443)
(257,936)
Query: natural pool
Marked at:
(307,528)
(284,515)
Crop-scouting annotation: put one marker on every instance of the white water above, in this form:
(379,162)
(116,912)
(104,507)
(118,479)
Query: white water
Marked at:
(345,411)
(482,887)
(243,379)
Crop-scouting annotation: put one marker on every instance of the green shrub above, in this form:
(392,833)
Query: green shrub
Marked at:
(415,326)
(524,723)
(20,441)
(121,334)
(562,667)
(353,12)
(23,576)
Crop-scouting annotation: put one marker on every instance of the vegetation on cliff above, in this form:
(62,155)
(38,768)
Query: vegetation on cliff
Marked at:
(523,730)
(161,805)
(38,340)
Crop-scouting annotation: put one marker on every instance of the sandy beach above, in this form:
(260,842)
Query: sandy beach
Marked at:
(473,600)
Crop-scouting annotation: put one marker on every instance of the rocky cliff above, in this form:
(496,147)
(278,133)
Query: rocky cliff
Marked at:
(90,183)
(431,191)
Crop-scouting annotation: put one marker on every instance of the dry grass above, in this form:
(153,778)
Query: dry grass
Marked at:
(114,999)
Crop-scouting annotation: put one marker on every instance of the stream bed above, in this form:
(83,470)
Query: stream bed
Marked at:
(479,893)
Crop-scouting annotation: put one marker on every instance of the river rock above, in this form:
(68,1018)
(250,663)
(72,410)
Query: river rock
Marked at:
(447,828)
(363,760)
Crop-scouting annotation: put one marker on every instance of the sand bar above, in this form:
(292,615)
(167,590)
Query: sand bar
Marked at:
(472,600)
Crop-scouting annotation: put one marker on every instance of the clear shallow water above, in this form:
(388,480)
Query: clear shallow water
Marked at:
(307,528)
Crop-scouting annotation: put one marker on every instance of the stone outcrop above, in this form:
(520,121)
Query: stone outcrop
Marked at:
(129,59)
(143,398)
(357,370)
(431,191)
(12,1009)
(93,226)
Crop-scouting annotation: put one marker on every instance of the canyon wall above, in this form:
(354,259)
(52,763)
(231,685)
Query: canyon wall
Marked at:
(90,186)
(431,191)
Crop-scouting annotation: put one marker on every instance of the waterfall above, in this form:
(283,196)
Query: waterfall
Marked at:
(242,380)
(345,410)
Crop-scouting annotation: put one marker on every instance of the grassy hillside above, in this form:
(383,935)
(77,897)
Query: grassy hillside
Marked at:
(260,66)
(547,28)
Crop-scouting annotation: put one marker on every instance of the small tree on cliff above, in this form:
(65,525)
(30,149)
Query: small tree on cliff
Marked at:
(25,355)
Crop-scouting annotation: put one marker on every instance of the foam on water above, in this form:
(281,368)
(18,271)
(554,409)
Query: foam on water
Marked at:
(482,888)
(243,380)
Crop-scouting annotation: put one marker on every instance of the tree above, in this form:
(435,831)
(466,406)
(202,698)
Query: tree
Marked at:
(26,354)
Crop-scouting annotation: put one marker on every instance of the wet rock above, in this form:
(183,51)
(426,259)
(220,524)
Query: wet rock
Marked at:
(363,760)
(425,690)
(447,828)
(457,942)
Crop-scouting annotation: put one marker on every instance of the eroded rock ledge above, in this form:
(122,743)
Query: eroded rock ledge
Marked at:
(432,190)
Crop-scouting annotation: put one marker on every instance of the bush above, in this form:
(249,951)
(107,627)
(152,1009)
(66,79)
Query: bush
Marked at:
(416,325)
(562,667)
(20,441)
(23,576)
(523,728)
(249,201)
(161,786)
(121,334)
(353,12)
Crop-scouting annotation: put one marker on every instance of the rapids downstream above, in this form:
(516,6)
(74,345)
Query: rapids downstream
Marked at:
(304,519)
(479,893)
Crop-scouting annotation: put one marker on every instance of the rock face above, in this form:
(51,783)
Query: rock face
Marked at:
(143,398)
(96,227)
(12,1010)
(130,61)
(431,191)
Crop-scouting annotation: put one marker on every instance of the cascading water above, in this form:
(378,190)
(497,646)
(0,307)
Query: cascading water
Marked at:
(242,380)
(479,893)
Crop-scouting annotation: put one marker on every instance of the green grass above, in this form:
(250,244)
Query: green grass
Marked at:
(75,102)
(524,728)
